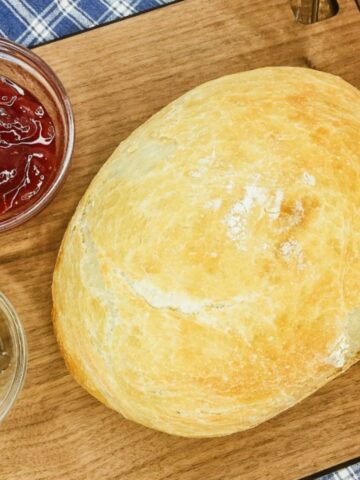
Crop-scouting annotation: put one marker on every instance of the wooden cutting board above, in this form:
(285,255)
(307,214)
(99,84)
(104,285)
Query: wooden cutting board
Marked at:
(117,76)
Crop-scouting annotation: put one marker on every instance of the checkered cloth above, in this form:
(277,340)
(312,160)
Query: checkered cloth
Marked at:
(349,473)
(35,22)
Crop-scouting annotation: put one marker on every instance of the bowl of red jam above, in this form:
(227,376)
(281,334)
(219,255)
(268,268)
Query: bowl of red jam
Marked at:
(36,134)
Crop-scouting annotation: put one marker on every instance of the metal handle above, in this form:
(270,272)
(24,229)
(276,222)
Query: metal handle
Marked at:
(312,11)
(315,11)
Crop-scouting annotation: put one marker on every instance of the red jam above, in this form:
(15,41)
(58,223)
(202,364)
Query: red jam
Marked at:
(28,161)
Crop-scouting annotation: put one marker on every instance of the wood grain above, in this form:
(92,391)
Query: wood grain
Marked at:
(117,76)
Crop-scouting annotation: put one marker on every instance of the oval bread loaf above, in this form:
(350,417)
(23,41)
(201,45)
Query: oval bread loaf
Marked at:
(210,277)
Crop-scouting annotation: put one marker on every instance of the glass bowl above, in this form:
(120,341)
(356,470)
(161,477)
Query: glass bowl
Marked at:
(28,70)
(13,356)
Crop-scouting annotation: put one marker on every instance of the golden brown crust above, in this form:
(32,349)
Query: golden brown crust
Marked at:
(71,364)
(209,277)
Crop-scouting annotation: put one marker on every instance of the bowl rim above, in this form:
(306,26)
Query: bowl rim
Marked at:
(56,90)
(18,338)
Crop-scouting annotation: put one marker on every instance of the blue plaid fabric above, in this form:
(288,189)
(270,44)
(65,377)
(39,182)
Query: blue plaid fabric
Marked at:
(349,473)
(34,22)
(37,21)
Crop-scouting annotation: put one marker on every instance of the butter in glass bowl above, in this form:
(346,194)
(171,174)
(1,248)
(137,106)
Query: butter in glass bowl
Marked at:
(13,356)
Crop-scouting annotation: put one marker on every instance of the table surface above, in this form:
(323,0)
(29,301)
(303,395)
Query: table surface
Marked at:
(123,73)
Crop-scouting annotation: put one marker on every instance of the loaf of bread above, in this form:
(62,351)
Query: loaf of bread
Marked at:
(210,277)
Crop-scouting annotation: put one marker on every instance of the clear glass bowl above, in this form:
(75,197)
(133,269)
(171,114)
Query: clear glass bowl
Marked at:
(13,356)
(28,70)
